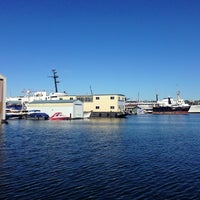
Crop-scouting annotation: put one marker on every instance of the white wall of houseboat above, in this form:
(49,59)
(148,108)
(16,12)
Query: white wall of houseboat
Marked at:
(73,109)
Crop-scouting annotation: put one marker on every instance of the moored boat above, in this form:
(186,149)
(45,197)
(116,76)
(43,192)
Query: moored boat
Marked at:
(170,106)
(15,110)
(37,115)
(15,114)
(86,115)
(59,116)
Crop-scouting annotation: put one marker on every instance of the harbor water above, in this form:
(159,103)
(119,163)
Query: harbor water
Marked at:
(139,157)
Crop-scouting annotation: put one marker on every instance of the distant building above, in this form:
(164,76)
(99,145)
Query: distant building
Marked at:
(2,99)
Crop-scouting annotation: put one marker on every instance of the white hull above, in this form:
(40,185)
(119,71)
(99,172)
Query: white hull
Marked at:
(194,109)
(86,115)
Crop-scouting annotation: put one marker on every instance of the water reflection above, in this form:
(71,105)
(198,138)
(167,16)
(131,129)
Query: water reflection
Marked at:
(2,143)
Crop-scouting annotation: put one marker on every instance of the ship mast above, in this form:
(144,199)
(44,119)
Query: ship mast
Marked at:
(55,79)
(91,90)
(178,96)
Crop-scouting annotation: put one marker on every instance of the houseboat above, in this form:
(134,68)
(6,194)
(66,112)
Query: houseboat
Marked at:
(72,109)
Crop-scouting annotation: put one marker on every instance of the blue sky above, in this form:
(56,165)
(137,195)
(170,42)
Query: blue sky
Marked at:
(129,47)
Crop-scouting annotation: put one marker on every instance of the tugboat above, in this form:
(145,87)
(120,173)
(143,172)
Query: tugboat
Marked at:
(170,106)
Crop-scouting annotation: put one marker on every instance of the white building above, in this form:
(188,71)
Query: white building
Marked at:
(70,108)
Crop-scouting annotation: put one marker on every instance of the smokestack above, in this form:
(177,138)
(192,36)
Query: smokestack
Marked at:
(169,100)
(156,97)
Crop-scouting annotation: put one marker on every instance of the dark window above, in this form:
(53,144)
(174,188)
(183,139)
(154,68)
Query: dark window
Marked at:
(112,97)
(97,98)
(85,98)
(97,107)
(112,107)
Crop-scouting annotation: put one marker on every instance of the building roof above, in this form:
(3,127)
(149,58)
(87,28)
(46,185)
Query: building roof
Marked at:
(99,95)
(54,101)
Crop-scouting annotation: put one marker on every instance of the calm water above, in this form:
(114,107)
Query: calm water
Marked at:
(140,157)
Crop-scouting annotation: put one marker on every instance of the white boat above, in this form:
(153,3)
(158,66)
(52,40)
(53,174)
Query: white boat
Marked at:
(37,96)
(15,111)
(146,107)
(139,107)
(86,115)
(15,114)
(194,109)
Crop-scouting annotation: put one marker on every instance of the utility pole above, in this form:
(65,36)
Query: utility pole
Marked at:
(55,79)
